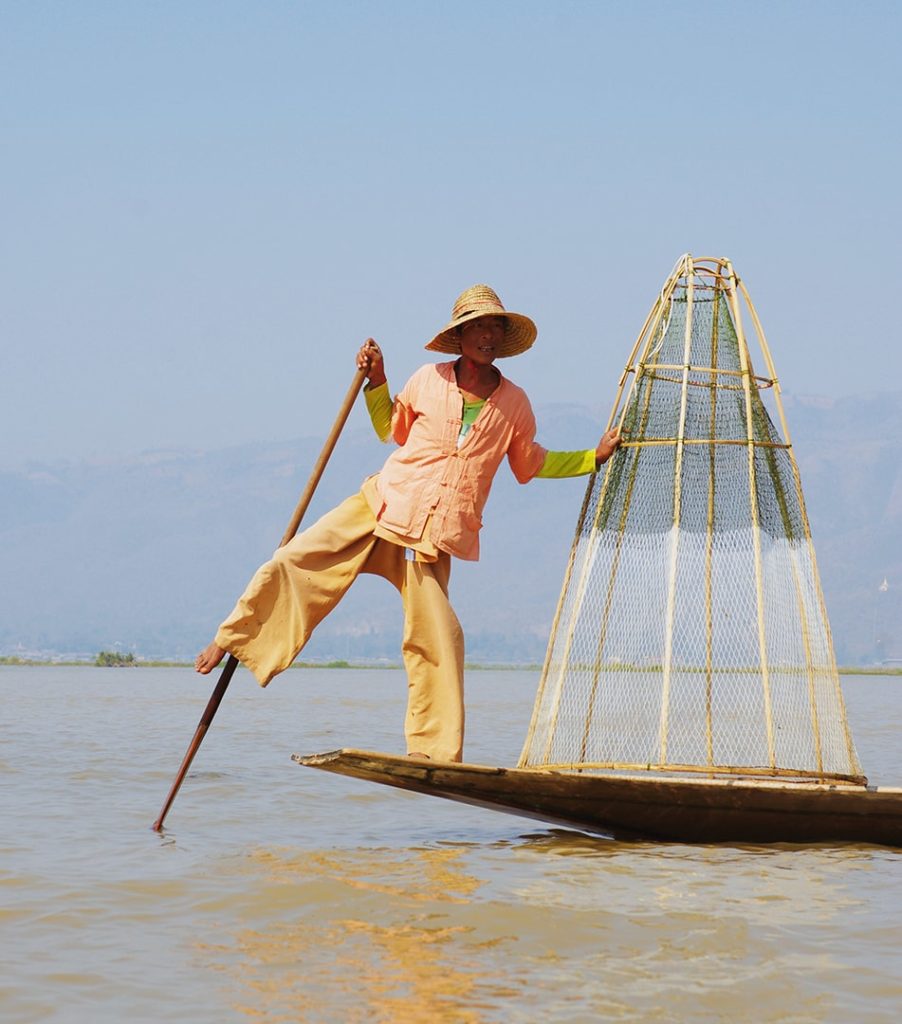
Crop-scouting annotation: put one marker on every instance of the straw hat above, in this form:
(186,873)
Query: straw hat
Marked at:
(479,301)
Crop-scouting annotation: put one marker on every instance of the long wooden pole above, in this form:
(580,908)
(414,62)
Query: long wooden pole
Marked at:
(232,663)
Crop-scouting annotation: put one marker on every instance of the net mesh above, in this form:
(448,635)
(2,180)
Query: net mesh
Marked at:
(691,631)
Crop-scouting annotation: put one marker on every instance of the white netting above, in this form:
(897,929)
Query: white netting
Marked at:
(691,629)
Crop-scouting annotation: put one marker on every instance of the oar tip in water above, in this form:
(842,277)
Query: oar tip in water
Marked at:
(202,726)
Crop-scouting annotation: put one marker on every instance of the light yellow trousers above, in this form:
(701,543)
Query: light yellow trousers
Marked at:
(289,595)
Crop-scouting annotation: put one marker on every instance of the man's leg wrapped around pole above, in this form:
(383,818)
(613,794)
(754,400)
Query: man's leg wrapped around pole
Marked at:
(433,651)
(293,592)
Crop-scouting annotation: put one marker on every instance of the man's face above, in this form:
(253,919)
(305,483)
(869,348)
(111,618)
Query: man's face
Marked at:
(481,339)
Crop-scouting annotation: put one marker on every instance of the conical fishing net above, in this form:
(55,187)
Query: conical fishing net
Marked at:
(691,632)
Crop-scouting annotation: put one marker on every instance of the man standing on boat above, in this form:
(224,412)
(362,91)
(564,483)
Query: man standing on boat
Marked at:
(453,422)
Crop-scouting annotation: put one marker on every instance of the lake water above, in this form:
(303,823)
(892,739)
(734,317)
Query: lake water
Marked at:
(282,894)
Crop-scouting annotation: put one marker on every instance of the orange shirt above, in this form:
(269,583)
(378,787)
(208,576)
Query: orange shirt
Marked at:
(429,478)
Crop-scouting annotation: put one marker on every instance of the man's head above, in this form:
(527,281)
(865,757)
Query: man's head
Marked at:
(481,302)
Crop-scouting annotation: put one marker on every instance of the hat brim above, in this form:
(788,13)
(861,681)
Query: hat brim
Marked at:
(520,334)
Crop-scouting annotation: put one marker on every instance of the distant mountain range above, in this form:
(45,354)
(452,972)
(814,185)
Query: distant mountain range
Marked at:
(147,554)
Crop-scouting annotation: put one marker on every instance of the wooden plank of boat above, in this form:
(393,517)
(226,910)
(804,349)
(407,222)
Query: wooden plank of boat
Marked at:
(655,807)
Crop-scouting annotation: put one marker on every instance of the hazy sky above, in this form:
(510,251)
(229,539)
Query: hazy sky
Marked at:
(207,206)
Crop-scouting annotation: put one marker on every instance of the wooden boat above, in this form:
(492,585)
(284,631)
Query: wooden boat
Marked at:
(632,806)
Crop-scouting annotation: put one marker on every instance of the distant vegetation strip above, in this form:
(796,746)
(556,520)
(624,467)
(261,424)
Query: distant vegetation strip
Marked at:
(115,659)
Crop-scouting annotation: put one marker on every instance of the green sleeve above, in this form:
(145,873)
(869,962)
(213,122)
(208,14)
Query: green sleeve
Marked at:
(561,464)
(379,405)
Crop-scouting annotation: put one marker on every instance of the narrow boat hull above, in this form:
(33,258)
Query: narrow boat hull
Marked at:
(652,807)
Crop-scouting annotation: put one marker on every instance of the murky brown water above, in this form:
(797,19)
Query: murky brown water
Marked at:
(278,893)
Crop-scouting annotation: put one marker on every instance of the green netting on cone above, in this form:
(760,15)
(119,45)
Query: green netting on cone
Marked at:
(691,632)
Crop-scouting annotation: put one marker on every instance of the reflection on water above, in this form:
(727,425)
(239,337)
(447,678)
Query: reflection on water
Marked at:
(277,893)
(584,929)
(393,960)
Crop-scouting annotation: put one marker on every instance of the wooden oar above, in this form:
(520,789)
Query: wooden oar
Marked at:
(232,663)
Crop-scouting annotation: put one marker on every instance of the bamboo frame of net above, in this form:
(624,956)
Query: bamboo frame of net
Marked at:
(566,720)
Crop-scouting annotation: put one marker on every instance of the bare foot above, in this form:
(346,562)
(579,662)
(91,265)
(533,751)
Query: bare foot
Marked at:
(417,756)
(208,659)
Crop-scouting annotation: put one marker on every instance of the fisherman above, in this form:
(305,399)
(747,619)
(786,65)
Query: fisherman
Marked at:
(453,422)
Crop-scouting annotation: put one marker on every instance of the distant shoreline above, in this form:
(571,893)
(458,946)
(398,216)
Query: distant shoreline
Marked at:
(844,670)
(338,663)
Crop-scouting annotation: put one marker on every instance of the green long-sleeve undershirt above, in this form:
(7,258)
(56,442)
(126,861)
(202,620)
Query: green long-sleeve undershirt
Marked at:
(556,465)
